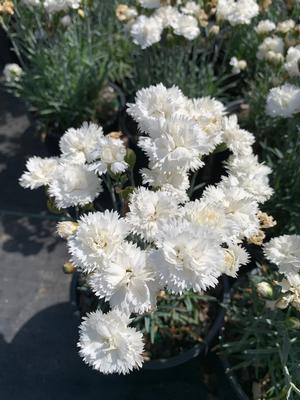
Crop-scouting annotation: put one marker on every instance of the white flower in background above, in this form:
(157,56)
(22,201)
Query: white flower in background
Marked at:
(235,256)
(168,16)
(237,12)
(291,289)
(270,47)
(251,175)
(125,13)
(283,101)
(12,72)
(190,7)
(74,184)
(180,146)
(82,145)
(148,210)
(127,281)
(97,238)
(265,26)
(32,2)
(111,152)
(66,20)
(292,61)
(208,114)
(187,26)
(107,343)
(237,65)
(54,6)
(284,251)
(65,229)
(239,207)
(238,140)
(175,182)
(40,172)
(154,105)
(145,31)
(286,26)
(189,257)
(149,3)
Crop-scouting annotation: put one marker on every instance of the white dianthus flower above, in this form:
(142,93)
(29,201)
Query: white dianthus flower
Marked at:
(237,65)
(235,256)
(97,238)
(32,2)
(82,145)
(168,15)
(208,114)
(284,251)
(154,105)
(111,153)
(149,3)
(291,289)
(74,184)
(107,343)
(189,256)
(292,61)
(239,207)
(283,101)
(238,140)
(269,46)
(54,6)
(12,72)
(237,12)
(180,146)
(175,182)
(145,31)
(148,210)
(127,281)
(40,172)
(251,175)
(187,26)
(200,212)
(190,7)
(286,26)
(265,26)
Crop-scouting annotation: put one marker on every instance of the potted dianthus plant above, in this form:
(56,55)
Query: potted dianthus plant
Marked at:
(150,247)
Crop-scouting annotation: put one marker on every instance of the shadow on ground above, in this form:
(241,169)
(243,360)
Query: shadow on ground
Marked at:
(24,215)
(42,363)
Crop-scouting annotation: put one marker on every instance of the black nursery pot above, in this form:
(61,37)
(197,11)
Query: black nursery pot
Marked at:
(185,356)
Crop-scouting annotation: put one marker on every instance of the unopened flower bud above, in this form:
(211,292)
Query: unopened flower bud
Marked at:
(264,290)
(293,323)
(214,30)
(65,229)
(69,268)
(80,12)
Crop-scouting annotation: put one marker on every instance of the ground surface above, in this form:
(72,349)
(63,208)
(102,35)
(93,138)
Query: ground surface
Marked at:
(38,323)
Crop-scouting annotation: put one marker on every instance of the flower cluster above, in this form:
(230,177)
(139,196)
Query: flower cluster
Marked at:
(237,12)
(160,239)
(184,19)
(284,251)
(54,6)
(73,178)
(282,51)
